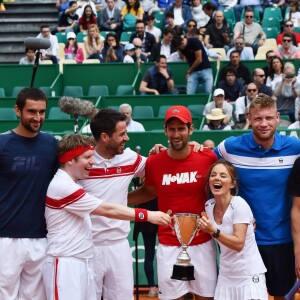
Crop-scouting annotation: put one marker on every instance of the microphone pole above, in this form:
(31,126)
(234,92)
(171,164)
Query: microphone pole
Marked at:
(76,123)
(35,67)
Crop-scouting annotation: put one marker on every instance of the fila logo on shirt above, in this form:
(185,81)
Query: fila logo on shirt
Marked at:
(179,178)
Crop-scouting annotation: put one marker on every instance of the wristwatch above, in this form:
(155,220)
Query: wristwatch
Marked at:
(216,234)
(168,78)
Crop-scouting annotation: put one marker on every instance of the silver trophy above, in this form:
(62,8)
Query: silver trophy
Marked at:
(185,227)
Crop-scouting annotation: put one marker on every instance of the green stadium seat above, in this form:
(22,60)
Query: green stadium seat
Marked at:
(61,37)
(125,36)
(196,110)
(162,111)
(73,91)
(271,22)
(46,90)
(229,14)
(80,36)
(142,112)
(159,16)
(272,12)
(7,113)
(98,90)
(271,32)
(55,113)
(16,90)
(125,90)
(2,93)
(297,29)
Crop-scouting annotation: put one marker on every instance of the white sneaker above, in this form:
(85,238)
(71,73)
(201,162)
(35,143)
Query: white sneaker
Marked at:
(153,292)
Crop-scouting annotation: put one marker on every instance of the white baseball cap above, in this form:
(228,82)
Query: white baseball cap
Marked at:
(71,35)
(218,92)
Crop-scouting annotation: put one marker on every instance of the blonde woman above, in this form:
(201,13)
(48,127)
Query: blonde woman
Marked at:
(93,43)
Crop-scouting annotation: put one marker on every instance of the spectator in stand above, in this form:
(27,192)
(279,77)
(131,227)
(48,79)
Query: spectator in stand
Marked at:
(169,20)
(242,72)
(182,13)
(29,58)
(231,85)
(138,56)
(50,53)
(129,51)
(132,126)
(81,5)
(162,4)
(158,79)
(110,18)
(72,50)
(209,144)
(287,50)
(199,65)
(217,35)
(134,8)
(149,7)
(242,103)
(87,18)
(294,13)
(252,32)
(296,124)
(112,51)
(62,5)
(286,92)
(269,55)
(258,77)
(93,43)
(246,53)
(148,39)
(215,120)
(198,14)
(275,74)
(152,29)
(289,28)
(68,19)
(165,47)
(247,5)
(219,102)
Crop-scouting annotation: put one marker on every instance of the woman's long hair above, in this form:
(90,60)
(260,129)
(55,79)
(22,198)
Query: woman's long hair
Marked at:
(111,34)
(84,17)
(271,71)
(97,38)
(135,6)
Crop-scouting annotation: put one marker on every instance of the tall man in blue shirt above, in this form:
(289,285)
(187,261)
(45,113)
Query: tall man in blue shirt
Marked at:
(199,66)
(264,160)
(27,164)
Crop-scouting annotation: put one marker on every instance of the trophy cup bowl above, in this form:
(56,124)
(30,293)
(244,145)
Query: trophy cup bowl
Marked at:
(185,227)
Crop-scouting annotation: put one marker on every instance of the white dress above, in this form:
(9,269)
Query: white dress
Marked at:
(241,274)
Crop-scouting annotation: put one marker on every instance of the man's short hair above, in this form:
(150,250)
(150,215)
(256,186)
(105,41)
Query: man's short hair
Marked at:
(177,40)
(30,94)
(125,106)
(168,30)
(44,26)
(262,101)
(234,52)
(105,121)
(209,6)
(287,34)
(139,22)
(160,57)
(230,70)
(169,14)
(72,2)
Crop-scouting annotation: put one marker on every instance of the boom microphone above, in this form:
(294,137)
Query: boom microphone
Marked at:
(36,43)
(76,106)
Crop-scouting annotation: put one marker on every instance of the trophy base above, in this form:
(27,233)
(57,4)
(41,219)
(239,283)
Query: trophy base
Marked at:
(184,273)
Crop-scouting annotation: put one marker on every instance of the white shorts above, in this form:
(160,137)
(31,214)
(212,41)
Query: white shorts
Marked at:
(113,271)
(21,261)
(68,278)
(203,257)
(241,287)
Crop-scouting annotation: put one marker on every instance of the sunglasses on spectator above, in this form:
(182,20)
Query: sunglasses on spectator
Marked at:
(289,25)
(251,17)
(239,43)
(270,57)
(286,41)
(192,25)
(252,90)
(260,75)
(71,39)
(138,47)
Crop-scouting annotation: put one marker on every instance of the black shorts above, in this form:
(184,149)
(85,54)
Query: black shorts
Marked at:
(280,263)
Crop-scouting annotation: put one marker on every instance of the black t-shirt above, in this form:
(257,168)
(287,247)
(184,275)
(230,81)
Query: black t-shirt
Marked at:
(193,45)
(216,35)
(67,20)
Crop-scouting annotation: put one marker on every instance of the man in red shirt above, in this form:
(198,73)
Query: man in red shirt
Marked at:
(176,176)
(289,28)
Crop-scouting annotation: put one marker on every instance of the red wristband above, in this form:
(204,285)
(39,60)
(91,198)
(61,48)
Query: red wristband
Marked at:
(141,215)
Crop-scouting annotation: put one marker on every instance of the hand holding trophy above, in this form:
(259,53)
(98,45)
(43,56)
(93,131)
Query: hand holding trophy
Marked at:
(185,227)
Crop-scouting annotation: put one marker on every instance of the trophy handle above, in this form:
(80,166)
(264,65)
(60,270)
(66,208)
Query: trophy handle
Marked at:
(169,212)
